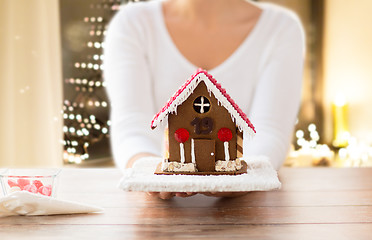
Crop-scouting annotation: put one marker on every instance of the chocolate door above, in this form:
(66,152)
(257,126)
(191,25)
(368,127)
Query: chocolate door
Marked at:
(204,152)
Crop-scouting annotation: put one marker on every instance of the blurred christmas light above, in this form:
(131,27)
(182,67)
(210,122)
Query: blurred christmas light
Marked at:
(310,152)
(85,113)
(312,127)
(85,131)
(300,134)
(356,154)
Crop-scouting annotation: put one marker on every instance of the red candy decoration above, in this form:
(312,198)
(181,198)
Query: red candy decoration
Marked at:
(45,190)
(224,134)
(181,135)
(23,182)
(38,183)
(30,188)
(12,183)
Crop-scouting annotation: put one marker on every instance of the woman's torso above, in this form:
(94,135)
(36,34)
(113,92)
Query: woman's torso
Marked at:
(169,68)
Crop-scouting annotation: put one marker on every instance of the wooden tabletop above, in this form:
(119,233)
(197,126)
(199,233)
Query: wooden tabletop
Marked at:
(314,203)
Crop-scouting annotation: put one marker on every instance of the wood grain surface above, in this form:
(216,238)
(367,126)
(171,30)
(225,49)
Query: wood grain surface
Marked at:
(314,203)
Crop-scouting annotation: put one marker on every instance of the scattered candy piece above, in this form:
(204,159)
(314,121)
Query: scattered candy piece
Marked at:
(23,182)
(15,189)
(12,183)
(31,188)
(37,183)
(45,190)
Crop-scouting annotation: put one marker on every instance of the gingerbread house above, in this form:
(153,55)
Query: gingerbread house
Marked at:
(205,129)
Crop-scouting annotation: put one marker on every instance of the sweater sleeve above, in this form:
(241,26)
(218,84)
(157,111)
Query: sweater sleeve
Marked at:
(277,96)
(129,88)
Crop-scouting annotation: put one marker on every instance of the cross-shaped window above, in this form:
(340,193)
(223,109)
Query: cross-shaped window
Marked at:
(201,104)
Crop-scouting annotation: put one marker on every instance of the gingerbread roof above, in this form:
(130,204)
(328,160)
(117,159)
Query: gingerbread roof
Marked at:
(220,94)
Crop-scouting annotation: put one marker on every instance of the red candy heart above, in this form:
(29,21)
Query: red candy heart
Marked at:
(45,190)
(30,188)
(12,183)
(38,183)
(23,182)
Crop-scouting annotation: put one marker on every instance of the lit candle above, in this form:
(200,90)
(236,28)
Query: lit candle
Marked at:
(340,121)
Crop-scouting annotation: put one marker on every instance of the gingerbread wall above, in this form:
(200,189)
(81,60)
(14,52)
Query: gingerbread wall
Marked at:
(186,114)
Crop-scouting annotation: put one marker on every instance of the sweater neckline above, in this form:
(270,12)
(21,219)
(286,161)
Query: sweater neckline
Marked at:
(229,60)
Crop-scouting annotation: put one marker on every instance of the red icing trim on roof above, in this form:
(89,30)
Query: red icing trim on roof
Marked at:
(219,87)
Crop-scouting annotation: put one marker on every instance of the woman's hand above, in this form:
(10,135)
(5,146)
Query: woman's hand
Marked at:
(169,195)
(225,194)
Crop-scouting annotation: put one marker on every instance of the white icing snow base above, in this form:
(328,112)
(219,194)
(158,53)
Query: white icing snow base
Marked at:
(260,176)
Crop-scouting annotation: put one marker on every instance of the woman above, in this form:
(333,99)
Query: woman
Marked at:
(254,50)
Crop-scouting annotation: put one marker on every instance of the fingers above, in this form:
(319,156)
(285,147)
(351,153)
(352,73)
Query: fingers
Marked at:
(169,195)
(185,194)
(166,195)
(209,194)
(225,194)
(162,195)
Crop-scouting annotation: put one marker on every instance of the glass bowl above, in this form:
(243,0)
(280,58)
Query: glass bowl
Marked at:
(38,181)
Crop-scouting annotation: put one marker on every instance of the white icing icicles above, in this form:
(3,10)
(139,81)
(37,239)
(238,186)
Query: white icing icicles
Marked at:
(192,151)
(222,100)
(182,153)
(226,148)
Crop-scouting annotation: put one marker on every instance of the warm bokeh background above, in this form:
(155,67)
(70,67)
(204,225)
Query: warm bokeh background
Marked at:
(30,84)
(347,54)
